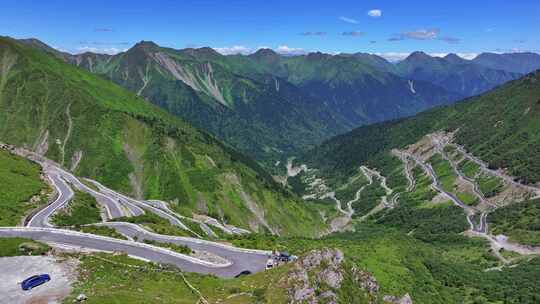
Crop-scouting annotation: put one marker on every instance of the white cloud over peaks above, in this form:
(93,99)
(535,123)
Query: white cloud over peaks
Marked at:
(348,20)
(393,56)
(244,50)
(233,50)
(286,50)
(106,50)
(375,13)
(467,56)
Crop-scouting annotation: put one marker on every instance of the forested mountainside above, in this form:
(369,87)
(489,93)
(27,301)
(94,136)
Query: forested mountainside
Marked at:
(360,91)
(420,217)
(102,131)
(272,107)
(265,117)
(461,179)
(500,127)
(266,105)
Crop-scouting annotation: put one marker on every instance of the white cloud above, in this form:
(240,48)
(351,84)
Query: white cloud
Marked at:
(348,20)
(244,50)
(393,56)
(106,50)
(286,50)
(467,56)
(237,49)
(61,49)
(375,13)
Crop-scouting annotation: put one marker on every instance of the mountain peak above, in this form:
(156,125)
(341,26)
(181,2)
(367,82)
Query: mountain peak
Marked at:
(453,58)
(265,52)
(318,56)
(418,55)
(144,44)
(40,45)
(206,52)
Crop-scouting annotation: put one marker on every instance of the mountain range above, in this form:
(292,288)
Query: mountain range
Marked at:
(99,130)
(419,198)
(272,107)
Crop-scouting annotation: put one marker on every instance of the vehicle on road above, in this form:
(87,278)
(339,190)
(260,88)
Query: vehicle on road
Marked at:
(283,256)
(35,281)
(286,257)
(270,264)
(243,273)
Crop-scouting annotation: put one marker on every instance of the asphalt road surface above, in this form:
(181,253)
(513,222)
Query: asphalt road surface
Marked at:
(39,228)
(239,261)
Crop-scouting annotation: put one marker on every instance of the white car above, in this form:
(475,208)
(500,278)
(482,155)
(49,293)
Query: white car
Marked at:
(270,264)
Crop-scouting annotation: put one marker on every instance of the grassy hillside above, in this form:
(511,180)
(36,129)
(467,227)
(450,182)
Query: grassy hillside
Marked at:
(264,116)
(21,246)
(272,107)
(520,222)
(82,210)
(21,188)
(101,131)
(266,105)
(446,272)
(500,127)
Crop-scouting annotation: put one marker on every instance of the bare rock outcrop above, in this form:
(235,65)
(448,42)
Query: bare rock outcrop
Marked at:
(318,277)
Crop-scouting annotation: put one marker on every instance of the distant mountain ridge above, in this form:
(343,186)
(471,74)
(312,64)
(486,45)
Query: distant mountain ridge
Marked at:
(500,127)
(272,106)
(453,73)
(523,63)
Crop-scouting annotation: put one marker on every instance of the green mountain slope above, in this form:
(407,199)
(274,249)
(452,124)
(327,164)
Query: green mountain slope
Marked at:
(100,130)
(358,87)
(500,127)
(267,105)
(262,115)
(21,188)
(271,106)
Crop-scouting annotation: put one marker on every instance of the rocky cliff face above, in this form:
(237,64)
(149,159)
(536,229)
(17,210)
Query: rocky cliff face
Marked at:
(323,276)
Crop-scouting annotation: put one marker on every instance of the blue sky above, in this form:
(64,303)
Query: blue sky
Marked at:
(392,28)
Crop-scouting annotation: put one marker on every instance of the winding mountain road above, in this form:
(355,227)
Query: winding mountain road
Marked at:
(239,259)
(64,195)
(39,228)
(170,216)
(497,173)
(437,187)
(115,208)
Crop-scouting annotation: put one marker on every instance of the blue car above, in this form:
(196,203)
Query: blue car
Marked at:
(35,281)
